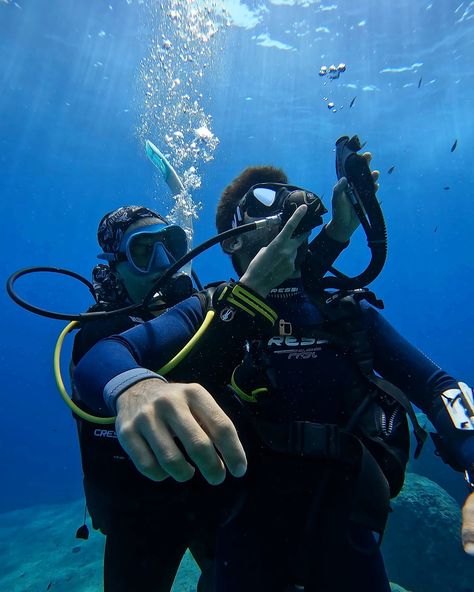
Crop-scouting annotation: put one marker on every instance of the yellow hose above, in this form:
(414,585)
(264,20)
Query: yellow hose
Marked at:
(163,370)
(59,380)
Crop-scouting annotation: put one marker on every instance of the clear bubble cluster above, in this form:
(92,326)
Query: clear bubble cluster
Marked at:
(332,72)
(184,45)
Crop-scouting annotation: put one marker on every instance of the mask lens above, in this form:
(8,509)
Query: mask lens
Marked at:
(141,249)
(265,195)
(148,252)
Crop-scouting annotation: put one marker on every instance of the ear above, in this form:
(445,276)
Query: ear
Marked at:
(232,245)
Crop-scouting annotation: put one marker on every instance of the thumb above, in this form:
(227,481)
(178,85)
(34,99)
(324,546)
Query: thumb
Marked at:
(340,186)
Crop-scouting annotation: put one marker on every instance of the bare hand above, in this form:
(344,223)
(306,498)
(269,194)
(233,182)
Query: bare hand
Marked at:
(344,220)
(152,414)
(275,263)
(468,525)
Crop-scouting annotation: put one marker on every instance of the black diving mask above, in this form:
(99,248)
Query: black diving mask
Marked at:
(279,199)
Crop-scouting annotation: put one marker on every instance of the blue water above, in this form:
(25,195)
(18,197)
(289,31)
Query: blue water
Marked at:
(72,108)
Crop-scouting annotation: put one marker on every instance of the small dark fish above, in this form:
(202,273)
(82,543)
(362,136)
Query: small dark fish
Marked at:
(76,549)
(390,170)
(49,586)
(453,147)
(419,81)
(436,228)
(352,102)
(447,188)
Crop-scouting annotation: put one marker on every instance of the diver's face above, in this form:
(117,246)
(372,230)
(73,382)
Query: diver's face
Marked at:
(255,240)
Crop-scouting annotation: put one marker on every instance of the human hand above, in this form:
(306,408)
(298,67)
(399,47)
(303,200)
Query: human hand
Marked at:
(275,263)
(468,525)
(344,220)
(152,414)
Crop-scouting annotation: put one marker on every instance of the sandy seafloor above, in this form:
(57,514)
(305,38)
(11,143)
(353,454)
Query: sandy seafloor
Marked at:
(39,552)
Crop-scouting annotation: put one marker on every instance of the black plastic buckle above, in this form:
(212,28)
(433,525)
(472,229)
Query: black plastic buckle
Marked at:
(315,440)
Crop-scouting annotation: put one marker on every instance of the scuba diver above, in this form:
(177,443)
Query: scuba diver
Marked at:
(139,245)
(292,394)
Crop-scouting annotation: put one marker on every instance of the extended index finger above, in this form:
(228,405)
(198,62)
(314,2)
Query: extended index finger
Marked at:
(292,223)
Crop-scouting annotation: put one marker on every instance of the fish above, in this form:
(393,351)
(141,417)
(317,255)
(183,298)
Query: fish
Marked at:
(49,586)
(76,549)
(453,147)
(390,170)
(447,188)
(419,81)
(352,102)
(436,228)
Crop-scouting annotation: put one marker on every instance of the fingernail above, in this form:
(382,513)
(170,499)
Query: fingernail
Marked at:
(240,470)
(469,548)
(217,479)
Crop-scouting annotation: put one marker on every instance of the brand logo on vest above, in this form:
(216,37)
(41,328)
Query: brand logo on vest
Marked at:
(227,314)
(98,433)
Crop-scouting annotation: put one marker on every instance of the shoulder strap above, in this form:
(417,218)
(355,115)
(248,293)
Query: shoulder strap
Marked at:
(344,312)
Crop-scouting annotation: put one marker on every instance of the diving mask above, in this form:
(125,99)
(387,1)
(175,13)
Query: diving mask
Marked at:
(150,249)
(270,199)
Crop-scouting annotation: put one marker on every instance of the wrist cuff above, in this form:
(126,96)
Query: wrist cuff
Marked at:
(115,387)
(248,301)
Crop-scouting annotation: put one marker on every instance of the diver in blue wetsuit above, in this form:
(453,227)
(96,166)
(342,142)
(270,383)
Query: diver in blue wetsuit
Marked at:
(323,435)
(138,245)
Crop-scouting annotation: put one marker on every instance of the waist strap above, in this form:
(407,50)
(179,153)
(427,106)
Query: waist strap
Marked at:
(305,438)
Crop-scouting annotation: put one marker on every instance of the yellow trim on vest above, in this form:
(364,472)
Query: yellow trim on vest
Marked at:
(240,305)
(224,291)
(258,302)
(255,304)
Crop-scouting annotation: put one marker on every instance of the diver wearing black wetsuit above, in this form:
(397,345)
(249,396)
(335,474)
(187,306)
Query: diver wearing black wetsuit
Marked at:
(303,402)
(311,375)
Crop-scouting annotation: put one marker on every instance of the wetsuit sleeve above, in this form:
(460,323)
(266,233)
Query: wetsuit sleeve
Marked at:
(423,381)
(238,314)
(149,345)
(322,253)
(94,331)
